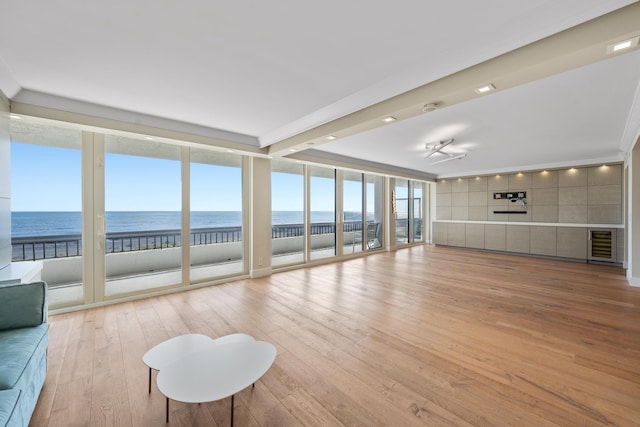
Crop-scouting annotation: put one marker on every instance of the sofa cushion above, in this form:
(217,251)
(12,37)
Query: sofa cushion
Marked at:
(23,305)
(8,400)
(17,348)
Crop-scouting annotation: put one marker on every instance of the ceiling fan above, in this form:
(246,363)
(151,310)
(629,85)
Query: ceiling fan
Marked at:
(438,147)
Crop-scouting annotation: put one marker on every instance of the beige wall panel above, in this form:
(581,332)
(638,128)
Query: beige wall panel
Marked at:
(542,240)
(443,186)
(440,233)
(543,196)
(572,214)
(477,213)
(460,199)
(516,207)
(496,217)
(544,213)
(544,179)
(498,183)
(460,213)
(495,237)
(574,177)
(460,185)
(520,182)
(478,184)
(572,242)
(576,196)
(475,236)
(518,238)
(478,198)
(605,195)
(443,199)
(500,204)
(443,212)
(456,234)
(605,175)
(604,214)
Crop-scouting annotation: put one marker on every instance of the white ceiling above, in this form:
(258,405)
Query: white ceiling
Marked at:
(271,70)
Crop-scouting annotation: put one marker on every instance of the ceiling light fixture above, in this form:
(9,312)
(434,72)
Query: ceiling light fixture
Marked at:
(430,107)
(331,137)
(458,157)
(623,45)
(389,119)
(13,116)
(437,148)
(484,89)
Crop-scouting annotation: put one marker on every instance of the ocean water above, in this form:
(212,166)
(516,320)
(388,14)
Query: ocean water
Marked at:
(29,224)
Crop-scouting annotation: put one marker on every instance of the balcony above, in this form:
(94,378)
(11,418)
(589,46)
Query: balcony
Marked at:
(215,252)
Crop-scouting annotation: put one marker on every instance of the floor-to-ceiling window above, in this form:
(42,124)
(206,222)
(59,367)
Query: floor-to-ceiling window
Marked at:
(143,215)
(216,235)
(322,203)
(287,216)
(375,209)
(46,205)
(402,210)
(417,217)
(352,204)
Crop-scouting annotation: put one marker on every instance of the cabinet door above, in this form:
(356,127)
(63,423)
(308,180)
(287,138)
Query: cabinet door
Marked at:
(572,242)
(543,240)
(440,233)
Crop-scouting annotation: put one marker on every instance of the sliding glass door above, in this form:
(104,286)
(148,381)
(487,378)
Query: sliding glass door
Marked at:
(402,211)
(216,235)
(352,203)
(287,213)
(46,205)
(375,211)
(143,215)
(322,195)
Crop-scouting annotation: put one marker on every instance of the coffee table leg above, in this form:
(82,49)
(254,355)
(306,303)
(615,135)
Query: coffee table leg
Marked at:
(149,380)
(232,410)
(167,409)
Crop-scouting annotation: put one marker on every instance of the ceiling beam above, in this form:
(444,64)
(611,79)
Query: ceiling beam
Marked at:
(575,47)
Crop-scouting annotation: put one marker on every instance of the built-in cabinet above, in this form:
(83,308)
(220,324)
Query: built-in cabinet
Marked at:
(544,240)
(546,213)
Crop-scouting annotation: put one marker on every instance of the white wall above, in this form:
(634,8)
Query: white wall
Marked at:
(5,184)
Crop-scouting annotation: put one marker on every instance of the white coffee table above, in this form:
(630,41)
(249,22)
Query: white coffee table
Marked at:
(215,372)
(177,347)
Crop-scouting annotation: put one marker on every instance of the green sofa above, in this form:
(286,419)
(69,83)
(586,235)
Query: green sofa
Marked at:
(23,350)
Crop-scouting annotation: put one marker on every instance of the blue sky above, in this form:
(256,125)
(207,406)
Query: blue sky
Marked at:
(49,179)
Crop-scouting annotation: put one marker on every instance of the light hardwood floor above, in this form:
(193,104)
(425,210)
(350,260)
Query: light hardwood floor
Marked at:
(422,336)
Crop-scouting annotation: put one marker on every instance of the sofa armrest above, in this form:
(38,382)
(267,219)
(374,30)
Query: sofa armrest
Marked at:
(23,305)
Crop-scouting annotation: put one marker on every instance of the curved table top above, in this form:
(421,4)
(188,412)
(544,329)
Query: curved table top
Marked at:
(177,347)
(216,372)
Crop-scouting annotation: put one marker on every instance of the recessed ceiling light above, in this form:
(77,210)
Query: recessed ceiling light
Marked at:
(13,116)
(292,150)
(148,138)
(331,137)
(484,89)
(389,119)
(623,45)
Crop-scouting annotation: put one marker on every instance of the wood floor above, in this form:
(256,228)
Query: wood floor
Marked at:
(422,336)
